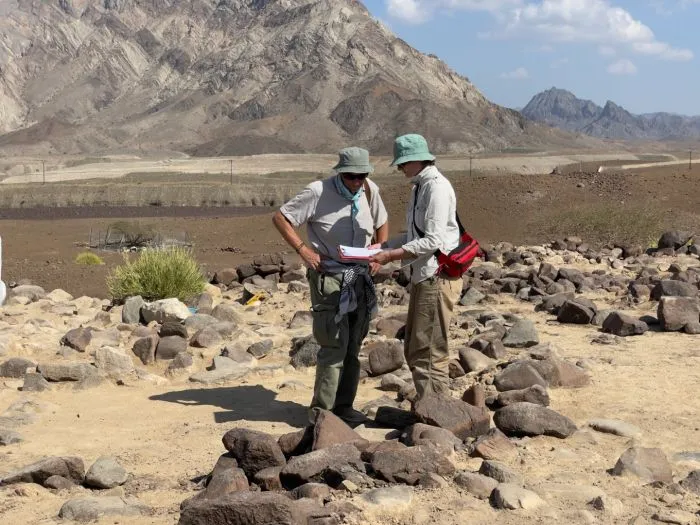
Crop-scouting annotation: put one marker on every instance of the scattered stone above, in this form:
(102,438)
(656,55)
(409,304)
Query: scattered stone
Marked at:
(169,346)
(475,395)
(391,327)
(304,352)
(226,312)
(261,349)
(165,310)
(67,371)
(16,367)
(432,481)
(673,288)
(253,450)
(649,464)
(471,297)
(522,334)
(131,311)
(495,350)
(68,467)
(611,506)
(206,338)
(560,373)
(519,375)
(575,312)
(385,357)
(78,339)
(92,508)
(674,239)
(59,483)
(476,484)
(268,478)
(409,464)
(474,361)
(173,329)
(529,419)
(675,313)
(145,349)
(319,491)
(420,434)
(392,383)
(536,394)
(113,363)
(301,319)
(553,303)
(312,467)
(462,419)
(512,497)
(614,426)
(330,430)
(106,473)
(692,482)
(198,321)
(29,291)
(500,472)
(9,437)
(182,362)
(675,517)
(494,445)
(624,325)
(394,498)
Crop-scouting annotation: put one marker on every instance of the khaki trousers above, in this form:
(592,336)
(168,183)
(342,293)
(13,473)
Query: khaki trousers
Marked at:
(338,367)
(425,344)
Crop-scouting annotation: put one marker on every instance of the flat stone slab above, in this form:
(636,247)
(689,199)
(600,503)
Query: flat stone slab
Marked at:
(615,426)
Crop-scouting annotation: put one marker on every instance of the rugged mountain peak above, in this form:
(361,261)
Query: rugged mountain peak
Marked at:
(231,76)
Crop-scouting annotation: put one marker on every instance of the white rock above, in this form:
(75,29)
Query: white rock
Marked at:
(512,497)
(165,310)
(615,426)
(113,363)
(391,497)
(59,296)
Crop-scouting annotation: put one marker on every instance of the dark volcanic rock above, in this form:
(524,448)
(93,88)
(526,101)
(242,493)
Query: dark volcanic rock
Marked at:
(253,450)
(528,419)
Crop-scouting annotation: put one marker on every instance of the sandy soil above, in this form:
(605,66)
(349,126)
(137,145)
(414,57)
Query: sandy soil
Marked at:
(168,434)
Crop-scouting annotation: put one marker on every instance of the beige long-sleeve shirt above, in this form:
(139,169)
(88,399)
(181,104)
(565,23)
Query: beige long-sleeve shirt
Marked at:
(435,206)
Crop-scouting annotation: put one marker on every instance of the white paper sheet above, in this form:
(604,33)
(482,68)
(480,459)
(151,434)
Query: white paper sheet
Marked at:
(350,252)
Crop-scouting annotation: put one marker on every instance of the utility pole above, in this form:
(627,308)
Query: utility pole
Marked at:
(690,159)
(231,161)
(470,166)
(43,172)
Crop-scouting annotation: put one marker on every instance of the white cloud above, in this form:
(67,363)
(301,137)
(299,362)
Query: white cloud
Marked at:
(596,22)
(411,11)
(622,67)
(607,51)
(517,74)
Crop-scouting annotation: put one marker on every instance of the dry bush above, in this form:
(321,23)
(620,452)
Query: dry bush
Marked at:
(88,259)
(157,274)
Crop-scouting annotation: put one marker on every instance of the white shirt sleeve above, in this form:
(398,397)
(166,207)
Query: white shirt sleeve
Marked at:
(435,207)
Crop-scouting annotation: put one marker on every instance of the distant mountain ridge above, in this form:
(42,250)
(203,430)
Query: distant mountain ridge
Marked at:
(562,109)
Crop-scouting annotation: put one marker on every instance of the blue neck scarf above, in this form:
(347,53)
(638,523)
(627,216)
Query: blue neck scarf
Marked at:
(345,192)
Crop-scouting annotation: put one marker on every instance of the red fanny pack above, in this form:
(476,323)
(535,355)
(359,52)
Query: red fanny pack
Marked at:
(458,261)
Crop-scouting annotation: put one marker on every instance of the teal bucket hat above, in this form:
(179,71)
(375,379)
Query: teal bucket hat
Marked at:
(353,160)
(409,148)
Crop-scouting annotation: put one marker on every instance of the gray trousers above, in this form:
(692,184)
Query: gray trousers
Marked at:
(338,368)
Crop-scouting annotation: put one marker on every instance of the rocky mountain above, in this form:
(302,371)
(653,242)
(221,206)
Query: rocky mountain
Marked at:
(217,77)
(562,109)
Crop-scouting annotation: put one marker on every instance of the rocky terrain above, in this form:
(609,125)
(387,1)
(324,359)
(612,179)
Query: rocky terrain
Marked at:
(574,399)
(232,77)
(562,109)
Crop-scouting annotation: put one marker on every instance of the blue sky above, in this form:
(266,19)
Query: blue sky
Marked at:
(641,54)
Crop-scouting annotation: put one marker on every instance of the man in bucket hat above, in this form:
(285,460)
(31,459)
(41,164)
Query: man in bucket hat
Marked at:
(431,226)
(345,209)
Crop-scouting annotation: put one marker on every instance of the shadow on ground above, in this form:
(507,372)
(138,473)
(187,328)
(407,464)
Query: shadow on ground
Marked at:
(250,403)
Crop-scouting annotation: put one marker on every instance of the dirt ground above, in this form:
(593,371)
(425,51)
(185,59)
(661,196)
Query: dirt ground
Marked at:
(631,206)
(167,435)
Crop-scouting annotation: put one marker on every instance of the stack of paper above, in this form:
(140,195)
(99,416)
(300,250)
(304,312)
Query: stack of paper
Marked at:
(349,253)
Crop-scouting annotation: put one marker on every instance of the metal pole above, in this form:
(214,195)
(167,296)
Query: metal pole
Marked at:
(690,159)
(231,161)
(43,172)
(470,165)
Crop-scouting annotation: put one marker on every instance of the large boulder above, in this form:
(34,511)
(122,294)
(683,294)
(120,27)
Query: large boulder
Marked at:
(165,310)
(649,464)
(242,508)
(460,418)
(623,325)
(253,450)
(410,464)
(675,313)
(71,468)
(529,419)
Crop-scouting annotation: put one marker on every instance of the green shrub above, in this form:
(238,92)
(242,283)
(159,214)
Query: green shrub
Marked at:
(157,274)
(88,259)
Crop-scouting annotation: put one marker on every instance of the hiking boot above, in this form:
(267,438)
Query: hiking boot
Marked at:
(350,416)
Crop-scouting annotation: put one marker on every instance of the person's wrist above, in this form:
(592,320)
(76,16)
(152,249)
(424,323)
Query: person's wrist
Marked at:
(299,247)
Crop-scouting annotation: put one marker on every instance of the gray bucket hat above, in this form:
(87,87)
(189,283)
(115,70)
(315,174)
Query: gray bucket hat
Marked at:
(353,160)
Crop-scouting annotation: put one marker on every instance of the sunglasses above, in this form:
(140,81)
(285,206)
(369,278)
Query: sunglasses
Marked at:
(401,166)
(355,176)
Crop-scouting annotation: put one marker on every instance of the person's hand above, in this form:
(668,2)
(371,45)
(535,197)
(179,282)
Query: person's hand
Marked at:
(374,268)
(377,246)
(310,257)
(381,258)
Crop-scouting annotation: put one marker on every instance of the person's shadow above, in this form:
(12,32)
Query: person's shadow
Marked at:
(252,403)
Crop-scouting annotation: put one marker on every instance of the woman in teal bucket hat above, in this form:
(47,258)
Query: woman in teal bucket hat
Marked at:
(431,226)
(344,209)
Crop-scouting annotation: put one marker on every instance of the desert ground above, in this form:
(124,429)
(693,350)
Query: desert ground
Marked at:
(166,430)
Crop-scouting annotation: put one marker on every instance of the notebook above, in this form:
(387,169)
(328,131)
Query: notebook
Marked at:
(350,253)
